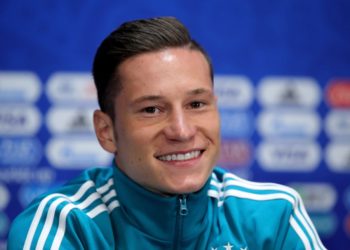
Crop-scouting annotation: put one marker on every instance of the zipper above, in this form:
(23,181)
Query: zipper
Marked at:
(182,212)
(183,205)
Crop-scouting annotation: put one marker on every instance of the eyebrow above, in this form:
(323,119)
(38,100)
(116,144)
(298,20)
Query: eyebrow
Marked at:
(193,92)
(147,98)
(200,91)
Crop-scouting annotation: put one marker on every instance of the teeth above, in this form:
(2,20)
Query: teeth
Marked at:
(180,157)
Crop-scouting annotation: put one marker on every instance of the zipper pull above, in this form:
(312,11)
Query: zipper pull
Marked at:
(183,205)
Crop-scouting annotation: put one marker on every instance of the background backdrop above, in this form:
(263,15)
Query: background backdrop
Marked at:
(282,74)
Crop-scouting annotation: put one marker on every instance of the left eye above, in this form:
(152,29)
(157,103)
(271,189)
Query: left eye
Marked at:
(196,104)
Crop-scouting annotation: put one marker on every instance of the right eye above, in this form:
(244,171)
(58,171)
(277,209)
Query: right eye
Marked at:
(150,110)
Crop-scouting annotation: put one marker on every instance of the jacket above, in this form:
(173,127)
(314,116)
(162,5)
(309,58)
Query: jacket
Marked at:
(104,209)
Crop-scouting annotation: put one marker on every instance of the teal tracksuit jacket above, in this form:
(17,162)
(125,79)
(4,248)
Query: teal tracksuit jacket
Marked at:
(104,209)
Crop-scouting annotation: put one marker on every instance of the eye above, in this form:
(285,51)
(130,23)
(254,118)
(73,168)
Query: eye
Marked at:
(196,104)
(150,110)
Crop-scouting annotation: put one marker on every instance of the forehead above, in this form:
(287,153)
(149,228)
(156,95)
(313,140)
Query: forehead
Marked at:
(164,55)
(164,69)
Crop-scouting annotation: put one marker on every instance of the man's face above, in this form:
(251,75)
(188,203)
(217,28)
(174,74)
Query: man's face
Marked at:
(166,121)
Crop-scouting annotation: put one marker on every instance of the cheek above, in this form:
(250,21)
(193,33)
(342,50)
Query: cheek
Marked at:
(139,159)
(136,142)
(213,124)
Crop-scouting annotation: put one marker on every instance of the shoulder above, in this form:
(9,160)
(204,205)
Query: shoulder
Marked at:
(226,186)
(275,211)
(53,216)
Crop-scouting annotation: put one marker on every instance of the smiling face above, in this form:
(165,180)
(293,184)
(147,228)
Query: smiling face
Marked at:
(166,130)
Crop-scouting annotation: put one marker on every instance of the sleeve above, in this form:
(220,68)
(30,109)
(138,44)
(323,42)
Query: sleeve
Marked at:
(300,233)
(47,226)
(17,233)
(42,227)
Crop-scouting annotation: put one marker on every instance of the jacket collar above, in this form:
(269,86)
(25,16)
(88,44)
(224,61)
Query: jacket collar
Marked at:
(158,216)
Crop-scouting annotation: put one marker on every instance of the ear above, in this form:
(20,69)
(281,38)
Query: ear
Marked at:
(104,131)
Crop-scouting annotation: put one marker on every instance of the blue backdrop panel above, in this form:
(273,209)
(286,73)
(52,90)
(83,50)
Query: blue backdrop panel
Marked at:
(282,75)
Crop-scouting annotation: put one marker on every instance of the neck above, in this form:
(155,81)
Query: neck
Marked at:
(157,213)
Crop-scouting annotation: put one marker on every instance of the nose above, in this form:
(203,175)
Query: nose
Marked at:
(180,127)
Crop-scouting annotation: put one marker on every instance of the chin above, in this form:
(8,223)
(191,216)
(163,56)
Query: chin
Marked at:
(187,188)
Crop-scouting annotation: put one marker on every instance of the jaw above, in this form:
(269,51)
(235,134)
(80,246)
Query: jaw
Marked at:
(185,184)
(187,176)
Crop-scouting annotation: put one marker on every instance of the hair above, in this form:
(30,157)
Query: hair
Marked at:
(131,39)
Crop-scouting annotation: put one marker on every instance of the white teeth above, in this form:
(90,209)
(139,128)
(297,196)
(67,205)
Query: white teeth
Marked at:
(180,157)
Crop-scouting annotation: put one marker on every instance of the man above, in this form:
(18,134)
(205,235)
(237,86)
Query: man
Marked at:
(159,118)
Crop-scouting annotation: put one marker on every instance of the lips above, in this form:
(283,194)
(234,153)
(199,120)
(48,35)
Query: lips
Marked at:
(180,156)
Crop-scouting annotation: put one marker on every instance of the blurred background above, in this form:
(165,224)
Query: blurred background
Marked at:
(282,75)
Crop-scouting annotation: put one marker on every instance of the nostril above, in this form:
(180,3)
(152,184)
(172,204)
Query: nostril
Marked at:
(180,134)
(179,126)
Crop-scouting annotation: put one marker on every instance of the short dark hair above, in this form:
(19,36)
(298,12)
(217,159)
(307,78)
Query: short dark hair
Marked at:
(131,39)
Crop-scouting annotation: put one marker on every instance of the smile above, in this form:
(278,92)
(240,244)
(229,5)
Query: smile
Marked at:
(180,157)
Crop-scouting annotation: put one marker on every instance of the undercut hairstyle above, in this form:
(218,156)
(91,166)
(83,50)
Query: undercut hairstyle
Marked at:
(131,39)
